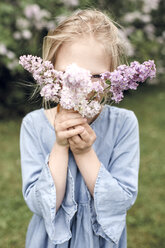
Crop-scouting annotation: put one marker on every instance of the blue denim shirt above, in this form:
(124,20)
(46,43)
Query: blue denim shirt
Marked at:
(83,220)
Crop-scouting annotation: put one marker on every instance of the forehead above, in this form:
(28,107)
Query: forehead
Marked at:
(86,53)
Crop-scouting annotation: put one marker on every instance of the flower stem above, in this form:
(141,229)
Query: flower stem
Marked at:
(107,88)
(92,97)
(58,108)
(97,93)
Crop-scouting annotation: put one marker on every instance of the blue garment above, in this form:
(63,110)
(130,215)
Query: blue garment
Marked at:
(82,221)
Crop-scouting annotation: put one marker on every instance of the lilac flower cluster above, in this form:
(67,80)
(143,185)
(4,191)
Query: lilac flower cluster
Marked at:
(76,85)
(74,89)
(45,75)
(127,77)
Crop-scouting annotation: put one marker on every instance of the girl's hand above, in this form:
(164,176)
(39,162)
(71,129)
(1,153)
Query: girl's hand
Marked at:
(82,143)
(64,120)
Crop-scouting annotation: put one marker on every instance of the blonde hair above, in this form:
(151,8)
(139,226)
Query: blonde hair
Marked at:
(82,22)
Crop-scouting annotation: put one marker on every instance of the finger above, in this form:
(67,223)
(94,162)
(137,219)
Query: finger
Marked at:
(85,136)
(88,128)
(70,133)
(71,142)
(69,123)
(76,139)
(69,139)
(70,128)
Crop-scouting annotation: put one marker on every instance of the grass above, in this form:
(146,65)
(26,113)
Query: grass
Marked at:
(145,227)
(145,219)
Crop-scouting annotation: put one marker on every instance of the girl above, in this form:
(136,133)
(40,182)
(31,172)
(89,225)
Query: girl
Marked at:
(80,176)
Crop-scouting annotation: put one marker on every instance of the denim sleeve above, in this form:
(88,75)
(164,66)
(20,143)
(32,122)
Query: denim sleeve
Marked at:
(38,187)
(116,187)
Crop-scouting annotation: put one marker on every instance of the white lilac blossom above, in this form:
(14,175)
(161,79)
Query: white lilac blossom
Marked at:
(76,85)
(22,23)
(3,49)
(37,17)
(128,46)
(10,55)
(75,89)
(26,34)
(148,6)
(73,3)
(130,17)
(150,31)
(76,77)
(88,109)
(34,11)
(17,35)
(12,62)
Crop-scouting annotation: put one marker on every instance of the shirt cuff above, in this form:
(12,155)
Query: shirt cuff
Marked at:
(46,195)
(108,213)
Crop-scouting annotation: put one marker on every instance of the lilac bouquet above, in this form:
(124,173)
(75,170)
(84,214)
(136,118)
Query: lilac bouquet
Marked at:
(77,89)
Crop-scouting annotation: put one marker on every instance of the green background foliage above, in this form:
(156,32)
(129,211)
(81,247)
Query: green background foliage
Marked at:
(21,34)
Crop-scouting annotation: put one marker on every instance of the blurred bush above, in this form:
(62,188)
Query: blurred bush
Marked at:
(23,24)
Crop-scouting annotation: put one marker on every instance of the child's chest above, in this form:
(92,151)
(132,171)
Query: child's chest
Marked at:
(103,152)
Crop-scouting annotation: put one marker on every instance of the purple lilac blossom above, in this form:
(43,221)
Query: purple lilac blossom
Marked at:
(74,88)
(45,75)
(127,77)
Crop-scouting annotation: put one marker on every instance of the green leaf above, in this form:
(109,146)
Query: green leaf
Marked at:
(108,82)
(102,100)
